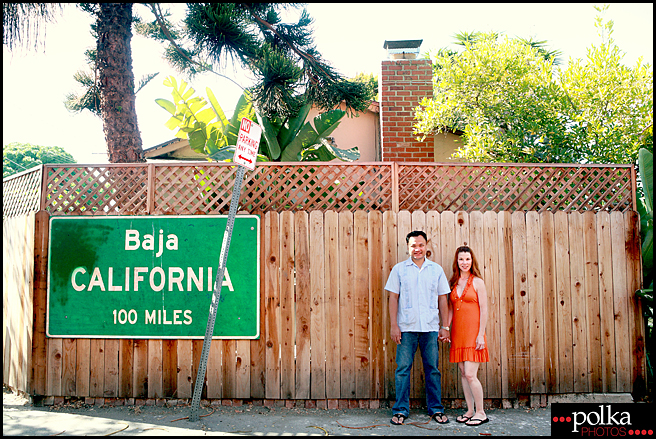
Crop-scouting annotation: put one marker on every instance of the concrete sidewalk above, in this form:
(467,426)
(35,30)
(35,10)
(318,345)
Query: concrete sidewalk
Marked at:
(20,417)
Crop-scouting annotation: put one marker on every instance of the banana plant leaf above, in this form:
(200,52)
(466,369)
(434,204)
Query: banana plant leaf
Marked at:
(270,136)
(293,125)
(244,108)
(325,151)
(646,165)
(308,136)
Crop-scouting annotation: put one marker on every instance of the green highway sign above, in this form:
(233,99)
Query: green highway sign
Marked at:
(151,277)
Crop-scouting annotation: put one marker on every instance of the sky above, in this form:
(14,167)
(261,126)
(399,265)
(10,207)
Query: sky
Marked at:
(349,35)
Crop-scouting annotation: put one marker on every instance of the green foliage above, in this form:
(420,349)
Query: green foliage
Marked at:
(210,133)
(514,105)
(611,104)
(500,94)
(370,81)
(23,23)
(88,97)
(288,68)
(18,157)
(645,208)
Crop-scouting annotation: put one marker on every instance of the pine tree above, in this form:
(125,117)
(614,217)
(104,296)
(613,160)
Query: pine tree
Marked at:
(289,69)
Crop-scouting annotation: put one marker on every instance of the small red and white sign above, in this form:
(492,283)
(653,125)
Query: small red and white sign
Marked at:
(248,142)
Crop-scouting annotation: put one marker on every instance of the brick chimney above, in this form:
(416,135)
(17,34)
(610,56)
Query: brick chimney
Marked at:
(404,82)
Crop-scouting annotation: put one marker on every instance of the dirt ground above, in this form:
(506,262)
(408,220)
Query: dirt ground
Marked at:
(21,417)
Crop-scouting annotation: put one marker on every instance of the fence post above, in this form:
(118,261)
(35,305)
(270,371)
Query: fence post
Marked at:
(150,199)
(634,194)
(44,187)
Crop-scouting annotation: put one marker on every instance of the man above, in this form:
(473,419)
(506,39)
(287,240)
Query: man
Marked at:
(418,296)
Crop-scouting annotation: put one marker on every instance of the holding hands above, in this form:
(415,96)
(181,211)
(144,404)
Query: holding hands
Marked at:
(444,334)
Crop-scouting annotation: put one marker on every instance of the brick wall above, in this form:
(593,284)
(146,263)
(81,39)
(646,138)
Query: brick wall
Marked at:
(403,85)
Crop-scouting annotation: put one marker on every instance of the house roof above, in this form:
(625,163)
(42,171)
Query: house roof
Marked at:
(152,149)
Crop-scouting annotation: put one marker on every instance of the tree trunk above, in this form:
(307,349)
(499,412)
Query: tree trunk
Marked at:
(117,105)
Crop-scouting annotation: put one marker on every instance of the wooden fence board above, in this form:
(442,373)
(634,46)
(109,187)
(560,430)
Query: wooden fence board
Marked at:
(346,305)
(242,369)
(18,266)
(185,368)
(228,367)
(69,361)
(169,368)
(155,378)
(214,371)
(39,343)
(303,303)
(606,306)
(378,306)
(272,298)
(577,291)
(125,367)
(332,294)
(433,234)
(97,368)
(389,260)
(110,385)
(490,270)
(507,304)
(362,301)
(448,244)
(535,303)
(258,347)
(636,322)
(591,270)
(9,279)
(318,328)
(82,367)
(54,376)
(522,316)
(565,361)
(477,244)
(548,252)
(287,365)
(620,305)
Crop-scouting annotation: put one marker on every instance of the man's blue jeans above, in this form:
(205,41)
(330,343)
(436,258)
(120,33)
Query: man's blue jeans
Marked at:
(405,354)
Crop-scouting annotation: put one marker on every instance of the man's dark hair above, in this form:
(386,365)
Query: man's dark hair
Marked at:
(414,234)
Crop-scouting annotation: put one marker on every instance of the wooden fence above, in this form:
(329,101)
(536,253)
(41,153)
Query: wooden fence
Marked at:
(563,316)
(559,246)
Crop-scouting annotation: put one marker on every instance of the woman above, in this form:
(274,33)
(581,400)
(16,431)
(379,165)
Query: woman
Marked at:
(468,316)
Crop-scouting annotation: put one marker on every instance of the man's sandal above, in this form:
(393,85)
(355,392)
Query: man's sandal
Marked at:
(401,419)
(440,418)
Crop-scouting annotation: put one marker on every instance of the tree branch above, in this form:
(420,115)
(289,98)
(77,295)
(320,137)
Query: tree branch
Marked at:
(299,52)
(155,9)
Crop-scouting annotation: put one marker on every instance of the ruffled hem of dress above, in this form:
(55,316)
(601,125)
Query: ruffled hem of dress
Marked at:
(458,355)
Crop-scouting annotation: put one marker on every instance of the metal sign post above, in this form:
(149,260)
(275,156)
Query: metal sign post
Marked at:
(245,155)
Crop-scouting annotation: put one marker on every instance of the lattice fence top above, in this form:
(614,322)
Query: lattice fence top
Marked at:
(21,193)
(206,188)
(515,188)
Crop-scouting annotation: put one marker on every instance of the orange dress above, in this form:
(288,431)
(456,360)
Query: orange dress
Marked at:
(464,326)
